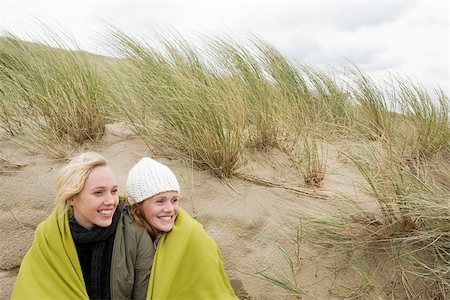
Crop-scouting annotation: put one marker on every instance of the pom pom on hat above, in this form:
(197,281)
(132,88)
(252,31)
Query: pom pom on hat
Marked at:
(148,178)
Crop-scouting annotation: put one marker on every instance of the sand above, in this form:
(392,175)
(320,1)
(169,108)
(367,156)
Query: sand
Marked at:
(246,218)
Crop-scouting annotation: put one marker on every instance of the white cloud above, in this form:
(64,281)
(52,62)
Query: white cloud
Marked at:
(410,37)
(352,16)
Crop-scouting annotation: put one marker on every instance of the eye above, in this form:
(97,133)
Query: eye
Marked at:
(98,192)
(175,200)
(114,191)
(158,201)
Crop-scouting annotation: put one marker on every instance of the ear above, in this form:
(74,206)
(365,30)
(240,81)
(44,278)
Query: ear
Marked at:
(71,201)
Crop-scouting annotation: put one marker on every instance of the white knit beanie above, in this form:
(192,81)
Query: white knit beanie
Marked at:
(148,178)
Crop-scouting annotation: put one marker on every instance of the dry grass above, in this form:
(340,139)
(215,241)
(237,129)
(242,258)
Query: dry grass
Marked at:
(206,102)
(7,165)
(404,241)
(51,98)
(182,103)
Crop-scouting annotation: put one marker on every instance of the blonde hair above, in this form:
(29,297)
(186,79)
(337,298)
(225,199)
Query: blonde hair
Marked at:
(71,178)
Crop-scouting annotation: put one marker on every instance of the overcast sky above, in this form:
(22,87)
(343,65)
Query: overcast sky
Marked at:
(380,37)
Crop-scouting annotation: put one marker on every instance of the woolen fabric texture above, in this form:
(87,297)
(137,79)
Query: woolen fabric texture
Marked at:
(51,268)
(148,178)
(188,265)
(94,248)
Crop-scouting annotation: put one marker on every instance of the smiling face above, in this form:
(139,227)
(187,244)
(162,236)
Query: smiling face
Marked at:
(97,201)
(161,210)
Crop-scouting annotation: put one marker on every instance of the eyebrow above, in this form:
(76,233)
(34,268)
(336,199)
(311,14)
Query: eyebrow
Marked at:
(103,187)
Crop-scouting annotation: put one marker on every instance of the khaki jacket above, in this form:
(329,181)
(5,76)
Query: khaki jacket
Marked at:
(132,258)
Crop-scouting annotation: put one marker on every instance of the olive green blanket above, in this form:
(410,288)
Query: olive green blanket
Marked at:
(51,269)
(188,265)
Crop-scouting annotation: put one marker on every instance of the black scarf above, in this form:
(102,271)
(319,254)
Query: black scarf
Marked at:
(94,248)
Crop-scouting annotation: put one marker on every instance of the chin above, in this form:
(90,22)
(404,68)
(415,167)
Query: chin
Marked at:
(166,229)
(104,224)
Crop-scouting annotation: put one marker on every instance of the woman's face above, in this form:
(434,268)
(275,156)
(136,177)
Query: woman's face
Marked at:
(97,201)
(161,210)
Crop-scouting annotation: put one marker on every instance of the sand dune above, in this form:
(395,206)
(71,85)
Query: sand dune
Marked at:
(246,217)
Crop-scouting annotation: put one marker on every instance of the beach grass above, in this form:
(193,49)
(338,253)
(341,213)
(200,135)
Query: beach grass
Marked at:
(208,102)
(403,239)
(51,98)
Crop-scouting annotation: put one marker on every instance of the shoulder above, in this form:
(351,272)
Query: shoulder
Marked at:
(128,223)
(130,235)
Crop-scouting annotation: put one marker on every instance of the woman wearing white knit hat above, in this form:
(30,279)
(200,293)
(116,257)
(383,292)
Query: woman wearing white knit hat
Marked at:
(152,181)
(187,264)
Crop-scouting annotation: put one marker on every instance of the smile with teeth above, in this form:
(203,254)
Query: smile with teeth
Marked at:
(166,218)
(105,212)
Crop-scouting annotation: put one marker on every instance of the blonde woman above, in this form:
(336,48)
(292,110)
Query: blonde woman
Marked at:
(89,247)
(187,264)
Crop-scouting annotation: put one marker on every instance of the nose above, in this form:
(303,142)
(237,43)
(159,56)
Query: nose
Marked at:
(109,200)
(168,207)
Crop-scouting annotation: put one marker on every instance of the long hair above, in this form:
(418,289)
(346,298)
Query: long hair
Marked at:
(139,217)
(71,178)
